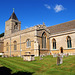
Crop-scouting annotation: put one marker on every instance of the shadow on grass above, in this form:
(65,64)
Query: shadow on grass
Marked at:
(7,71)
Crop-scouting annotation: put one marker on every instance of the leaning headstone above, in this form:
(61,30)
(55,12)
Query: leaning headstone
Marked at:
(58,60)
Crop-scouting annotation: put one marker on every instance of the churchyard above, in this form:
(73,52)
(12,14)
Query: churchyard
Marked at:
(46,66)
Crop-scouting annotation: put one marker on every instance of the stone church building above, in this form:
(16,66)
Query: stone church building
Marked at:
(37,40)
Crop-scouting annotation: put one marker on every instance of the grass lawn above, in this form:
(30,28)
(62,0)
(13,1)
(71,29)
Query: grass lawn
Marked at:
(47,66)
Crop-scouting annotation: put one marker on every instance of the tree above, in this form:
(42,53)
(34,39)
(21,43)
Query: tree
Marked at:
(2,34)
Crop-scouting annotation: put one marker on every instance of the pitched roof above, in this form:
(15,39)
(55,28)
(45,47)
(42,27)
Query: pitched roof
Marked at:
(62,27)
(13,16)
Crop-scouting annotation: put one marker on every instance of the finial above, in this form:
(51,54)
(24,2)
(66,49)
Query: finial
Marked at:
(43,23)
(13,9)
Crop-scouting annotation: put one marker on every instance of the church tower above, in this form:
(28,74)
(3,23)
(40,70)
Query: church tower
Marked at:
(12,25)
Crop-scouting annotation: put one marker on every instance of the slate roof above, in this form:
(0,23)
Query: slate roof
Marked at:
(62,27)
(13,16)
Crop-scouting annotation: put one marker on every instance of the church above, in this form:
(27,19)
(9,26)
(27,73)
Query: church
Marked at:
(37,40)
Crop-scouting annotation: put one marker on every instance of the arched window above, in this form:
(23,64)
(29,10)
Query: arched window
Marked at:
(69,45)
(44,40)
(15,45)
(54,44)
(7,46)
(28,43)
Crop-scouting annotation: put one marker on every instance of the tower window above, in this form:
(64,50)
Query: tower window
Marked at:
(16,27)
(16,23)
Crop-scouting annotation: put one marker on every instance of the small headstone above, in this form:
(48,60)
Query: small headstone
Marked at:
(54,55)
(66,55)
(41,57)
(6,56)
(2,56)
(61,59)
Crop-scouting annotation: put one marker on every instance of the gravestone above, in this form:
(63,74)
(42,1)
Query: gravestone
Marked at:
(55,55)
(2,56)
(58,60)
(6,56)
(66,55)
(61,59)
(41,57)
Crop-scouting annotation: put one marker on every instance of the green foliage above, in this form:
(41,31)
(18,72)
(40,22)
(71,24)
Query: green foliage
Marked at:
(2,34)
(47,66)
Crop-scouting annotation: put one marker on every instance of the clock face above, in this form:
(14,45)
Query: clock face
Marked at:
(7,28)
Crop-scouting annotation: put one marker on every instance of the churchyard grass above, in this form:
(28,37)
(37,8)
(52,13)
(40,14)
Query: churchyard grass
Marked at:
(46,66)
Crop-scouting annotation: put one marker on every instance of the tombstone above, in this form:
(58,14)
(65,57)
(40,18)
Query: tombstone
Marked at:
(50,53)
(58,60)
(61,59)
(32,58)
(54,55)
(21,56)
(66,55)
(2,56)
(6,56)
(41,57)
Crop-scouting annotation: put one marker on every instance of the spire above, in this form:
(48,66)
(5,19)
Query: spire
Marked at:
(13,16)
(43,23)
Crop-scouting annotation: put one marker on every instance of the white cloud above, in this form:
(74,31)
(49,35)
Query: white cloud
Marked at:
(58,8)
(47,6)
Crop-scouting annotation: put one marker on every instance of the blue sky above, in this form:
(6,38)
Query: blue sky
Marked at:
(33,12)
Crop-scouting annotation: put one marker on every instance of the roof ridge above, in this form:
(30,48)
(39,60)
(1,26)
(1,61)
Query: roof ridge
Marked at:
(61,23)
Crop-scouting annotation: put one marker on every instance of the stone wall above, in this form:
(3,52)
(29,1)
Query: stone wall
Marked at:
(19,38)
(61,41)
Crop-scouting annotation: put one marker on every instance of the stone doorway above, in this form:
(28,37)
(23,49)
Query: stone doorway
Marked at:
(61,49)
